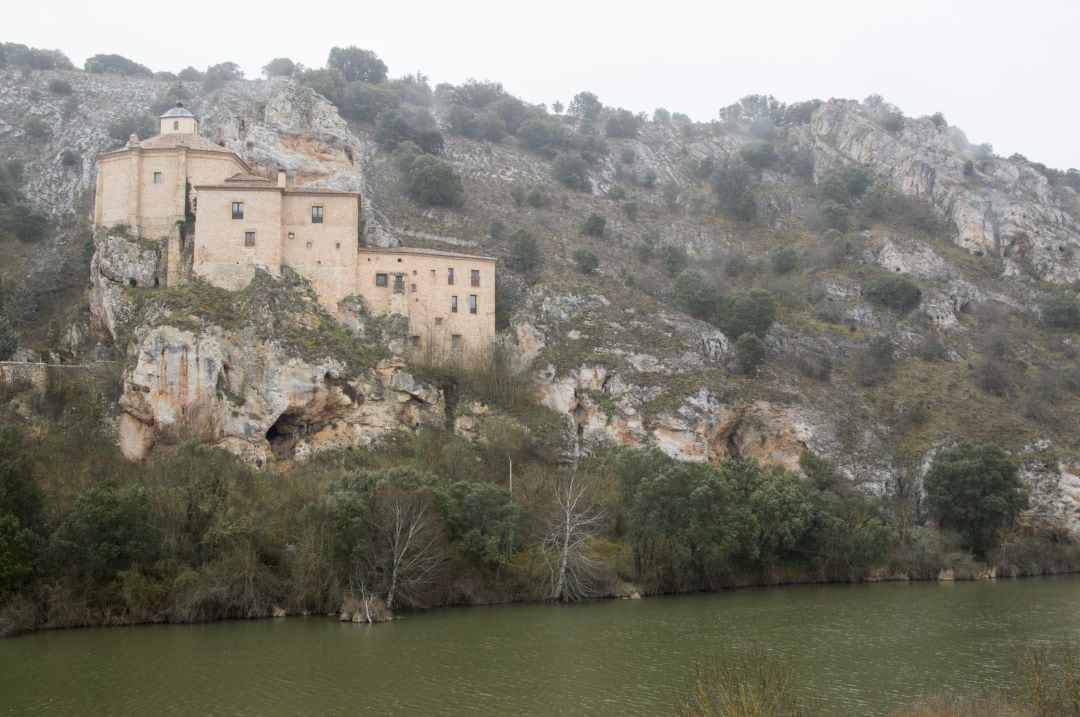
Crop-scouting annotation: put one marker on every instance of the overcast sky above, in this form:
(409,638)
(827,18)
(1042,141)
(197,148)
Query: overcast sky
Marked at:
(1004,72)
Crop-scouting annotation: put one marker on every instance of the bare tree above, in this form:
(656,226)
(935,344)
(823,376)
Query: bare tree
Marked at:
(407,550)
(575,520)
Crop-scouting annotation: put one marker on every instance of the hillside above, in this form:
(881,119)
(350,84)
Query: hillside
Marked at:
(923,289)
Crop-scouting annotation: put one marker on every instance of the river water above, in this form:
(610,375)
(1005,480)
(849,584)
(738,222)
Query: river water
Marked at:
(857,649)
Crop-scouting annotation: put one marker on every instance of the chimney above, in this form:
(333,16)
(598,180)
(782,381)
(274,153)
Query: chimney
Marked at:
(281,178)
(133,140)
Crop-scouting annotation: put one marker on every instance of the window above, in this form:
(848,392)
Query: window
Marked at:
(455,341)
(450,276)
(414,340)
(474,277)
(337,245)
(472,303)
(412,288)
(307,245)
(433,273)
(237,210)
(316,215)
(157,177)
(380,280)
(291,235)
(453,304)
(438,321)
(399,284)
(176,124)
(249,238)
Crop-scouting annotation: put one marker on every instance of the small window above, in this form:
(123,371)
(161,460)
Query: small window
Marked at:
(414,272)
(438,321)
(455,341)
(472,303)
(414,340)
(453,304)
(291,235)
(307,245)
(399,284)
(157,177)
(176,124)
(474,277)
(337,245)
(237,210)
(412,288)
(432,273)
(381,280)
(316,215)
(249,238)
(450,276)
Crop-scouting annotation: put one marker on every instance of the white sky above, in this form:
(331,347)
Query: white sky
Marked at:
(1004,72)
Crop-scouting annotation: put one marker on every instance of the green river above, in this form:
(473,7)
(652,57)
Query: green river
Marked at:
(857,649)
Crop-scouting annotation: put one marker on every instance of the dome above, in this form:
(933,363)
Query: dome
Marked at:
(178,111)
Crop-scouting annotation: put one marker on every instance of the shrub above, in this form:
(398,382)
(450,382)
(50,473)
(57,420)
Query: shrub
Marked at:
(734,188)
(673,258)
(573,171)
(483,519)
(896,291)
(189,74)
(627,156)
(217,75)
(477,94)
(992,376)
(813,366)
(36,129)
(586,261)
(497,229)
(116,65)
(696,295)
(356,64)
(138,125)
(661,116)
(17,555)
(23,223)
(279,67)
(539,134)
(759,156)
(585,106)
(433,181)
(327,82)
(875,360)
(747,684)
(393,126)
(524,251)
(749,353)
(631,210)
(9,339)
(365,102)
(784,261)
(59,87)
(69,158)
(835,215)
(594,225)
(976,491)
(622,124)
(511,111)
(1062,310)
(747,312)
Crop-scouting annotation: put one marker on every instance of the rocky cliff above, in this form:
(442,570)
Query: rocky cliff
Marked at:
(267,374)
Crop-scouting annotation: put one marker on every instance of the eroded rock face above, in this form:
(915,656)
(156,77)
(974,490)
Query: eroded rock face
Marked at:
(235,388)
(1004,208)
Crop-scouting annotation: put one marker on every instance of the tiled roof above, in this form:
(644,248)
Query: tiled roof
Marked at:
(423,252)
(191,141)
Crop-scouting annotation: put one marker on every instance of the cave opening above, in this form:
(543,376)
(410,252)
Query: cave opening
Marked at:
(284,434)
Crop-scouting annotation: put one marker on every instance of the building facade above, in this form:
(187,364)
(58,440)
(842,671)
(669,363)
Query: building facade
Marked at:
(244,222)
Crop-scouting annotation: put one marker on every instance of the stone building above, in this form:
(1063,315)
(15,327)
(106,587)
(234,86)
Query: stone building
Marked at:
(216,215)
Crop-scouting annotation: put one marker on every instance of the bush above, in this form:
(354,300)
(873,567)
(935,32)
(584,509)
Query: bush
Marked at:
(586,261)
(622,124)
(59,87)
(139,125)
(431,180)
(36,129)
(992,376)
(327,82)
(896,291)
(976,491)
(537,199)
(524,251)
(815,367)
(674,259)
(784,261)
(116,65)
(477,94)
(356,64)
(484,519)
(734,188)
(747,312)
(217,75)
(573,171)
(746,684)
(749,353)
(9,339)
(21,222)
(631,210)
(759,156)
(69,158)
(279,67)
(585,106)
(696,295)
(190,74)
(1062,310)
(108,529)
(874,362)
(834,216)
(365,102)
(594,225)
